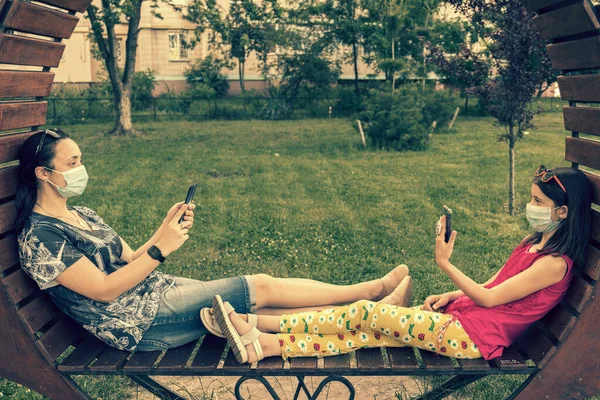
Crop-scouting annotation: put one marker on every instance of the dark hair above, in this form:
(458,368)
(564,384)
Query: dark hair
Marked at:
(28,161)
(573,233)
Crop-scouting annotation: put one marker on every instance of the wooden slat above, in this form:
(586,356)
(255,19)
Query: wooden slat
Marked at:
(595,179)
(571,20)
(583,88)
(21,115)
(436,362)
(369,360)
(402,358)
(303,363)
(8,213)
(29,51)
(232,366)
(60,336)
(25,84)
(10,145)
(568,55)
(175,359)
(73,5)
(537,346)
(271,364)
(141,361)
(83,355)
(31,18)
(19,285)
(338,364)
(38,313)
(582,151)
(476,365)
(536,5)
(579,293)
(510,360)
(209,354)
(582,119)
(592,263)
(596,226)
(9,252)
(9,177)
(559,321)
(111,360)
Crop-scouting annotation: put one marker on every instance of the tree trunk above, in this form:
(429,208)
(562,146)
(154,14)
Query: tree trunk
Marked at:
(123,124)
(466,104)
(355,60)
(241,66)
(511,174)
(394,70)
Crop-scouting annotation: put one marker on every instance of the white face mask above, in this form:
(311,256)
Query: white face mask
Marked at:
(540,218)
(76,179)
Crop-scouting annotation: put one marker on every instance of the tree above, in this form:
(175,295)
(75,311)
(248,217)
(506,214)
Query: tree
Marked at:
(240,30)
(103,19)
(519,65)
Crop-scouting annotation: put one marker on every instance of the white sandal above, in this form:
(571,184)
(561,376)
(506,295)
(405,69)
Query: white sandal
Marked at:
(208,319)
(236,342)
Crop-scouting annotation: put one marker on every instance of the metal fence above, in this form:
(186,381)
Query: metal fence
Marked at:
(80,110)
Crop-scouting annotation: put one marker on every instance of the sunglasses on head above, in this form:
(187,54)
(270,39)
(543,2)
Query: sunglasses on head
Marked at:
(55,133)
(546,175)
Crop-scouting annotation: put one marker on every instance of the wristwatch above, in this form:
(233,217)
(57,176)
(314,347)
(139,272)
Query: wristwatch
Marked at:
(155,253)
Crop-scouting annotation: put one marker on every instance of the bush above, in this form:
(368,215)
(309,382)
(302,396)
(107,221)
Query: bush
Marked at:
(207,73)
(396,121)
(439,106)
(141,90)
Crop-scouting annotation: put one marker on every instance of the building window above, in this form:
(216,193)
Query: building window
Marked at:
(120,50)
(178,50)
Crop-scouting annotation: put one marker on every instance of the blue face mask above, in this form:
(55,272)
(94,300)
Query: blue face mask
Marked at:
(76,179)
(540,218)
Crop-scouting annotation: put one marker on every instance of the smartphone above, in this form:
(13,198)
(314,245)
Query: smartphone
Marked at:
(189,197)
(448,213)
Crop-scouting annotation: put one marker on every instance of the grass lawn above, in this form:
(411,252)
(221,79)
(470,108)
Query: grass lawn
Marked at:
(301,198)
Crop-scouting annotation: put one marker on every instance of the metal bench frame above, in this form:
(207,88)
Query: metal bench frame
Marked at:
(41,348)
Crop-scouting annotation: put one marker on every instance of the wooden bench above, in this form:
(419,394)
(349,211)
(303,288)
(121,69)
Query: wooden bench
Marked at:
(559,353)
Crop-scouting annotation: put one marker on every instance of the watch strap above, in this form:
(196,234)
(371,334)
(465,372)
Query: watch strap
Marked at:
(155,253)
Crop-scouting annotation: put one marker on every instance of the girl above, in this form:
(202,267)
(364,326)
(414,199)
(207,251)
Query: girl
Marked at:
(115,292)
(474,321)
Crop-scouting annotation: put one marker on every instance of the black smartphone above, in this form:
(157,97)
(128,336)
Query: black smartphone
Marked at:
(448,213)
(189,197)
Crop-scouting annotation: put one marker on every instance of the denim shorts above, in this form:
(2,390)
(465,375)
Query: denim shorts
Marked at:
(178,319)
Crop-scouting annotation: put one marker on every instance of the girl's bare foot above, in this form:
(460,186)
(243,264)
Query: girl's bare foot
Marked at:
(392,279)
(268,341)
(401,295)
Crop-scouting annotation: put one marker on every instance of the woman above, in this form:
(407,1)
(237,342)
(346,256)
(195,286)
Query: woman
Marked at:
(475,321)
(113,291)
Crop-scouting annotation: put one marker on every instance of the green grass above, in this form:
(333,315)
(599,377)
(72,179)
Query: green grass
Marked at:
(303,199)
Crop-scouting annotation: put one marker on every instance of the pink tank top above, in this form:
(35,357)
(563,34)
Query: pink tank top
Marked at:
(494,328)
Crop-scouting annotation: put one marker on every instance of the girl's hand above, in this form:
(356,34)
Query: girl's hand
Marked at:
(174,234)
(443,250)
(188,216)
(436,301)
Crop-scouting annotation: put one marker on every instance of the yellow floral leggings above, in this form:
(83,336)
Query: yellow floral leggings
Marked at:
(365,323)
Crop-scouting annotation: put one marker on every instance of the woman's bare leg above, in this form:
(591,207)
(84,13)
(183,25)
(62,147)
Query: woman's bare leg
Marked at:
(292,293)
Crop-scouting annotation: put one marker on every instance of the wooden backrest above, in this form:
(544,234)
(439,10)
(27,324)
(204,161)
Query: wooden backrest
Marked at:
(30,36)
(573,29)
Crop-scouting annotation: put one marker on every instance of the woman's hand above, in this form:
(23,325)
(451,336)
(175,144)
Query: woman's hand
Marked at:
(189,214)
(436,301)
(443,250)
(175,234)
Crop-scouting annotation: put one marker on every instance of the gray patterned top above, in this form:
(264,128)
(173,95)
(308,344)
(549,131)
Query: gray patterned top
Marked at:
(48,246)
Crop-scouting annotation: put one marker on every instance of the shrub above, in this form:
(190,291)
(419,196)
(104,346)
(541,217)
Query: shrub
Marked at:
(439,106)
(207,73)
(395,121)
(143,85)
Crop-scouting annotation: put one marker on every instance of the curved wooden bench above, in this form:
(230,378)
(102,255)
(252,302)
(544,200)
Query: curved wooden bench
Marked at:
(557,353)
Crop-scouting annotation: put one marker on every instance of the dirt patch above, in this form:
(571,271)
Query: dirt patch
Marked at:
(221,388)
